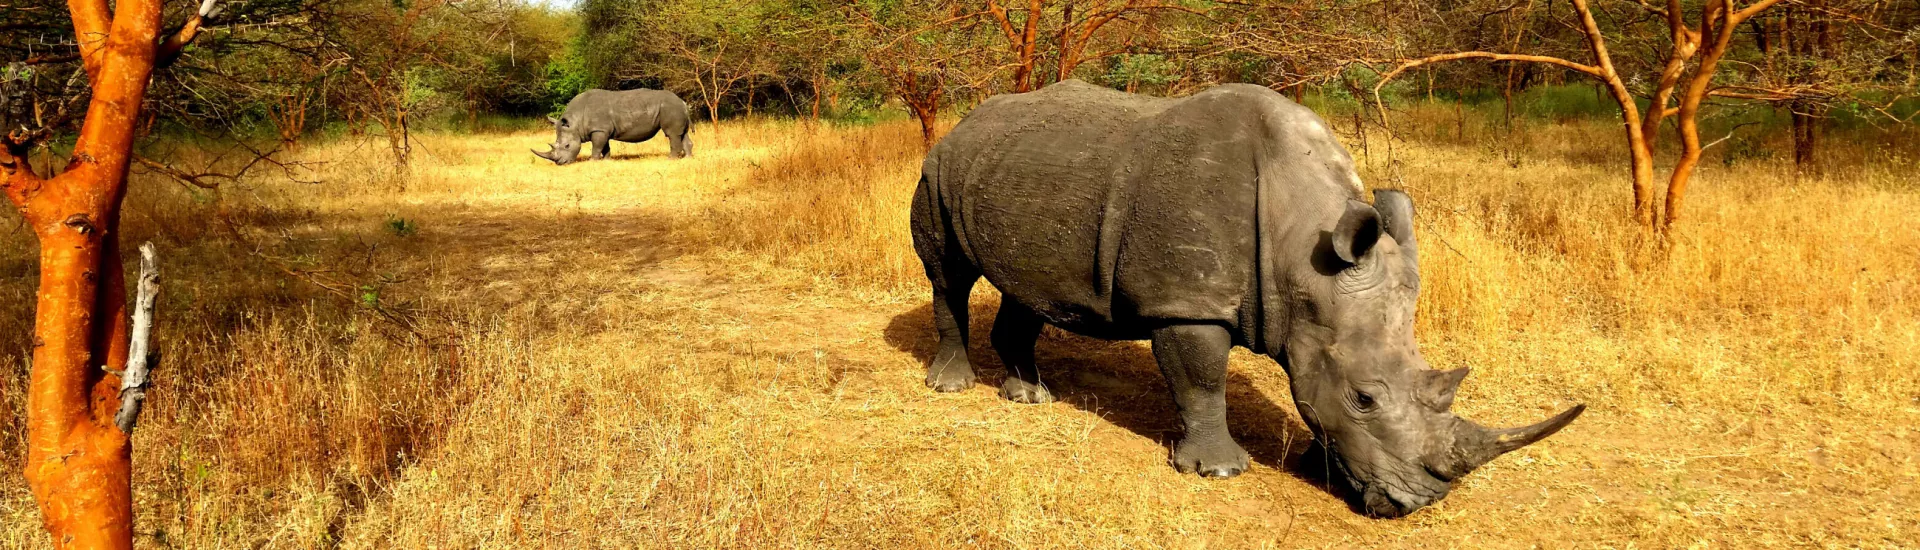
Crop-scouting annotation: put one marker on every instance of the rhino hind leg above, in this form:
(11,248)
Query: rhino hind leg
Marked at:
(1194,360)
(1015,330)
(952,278)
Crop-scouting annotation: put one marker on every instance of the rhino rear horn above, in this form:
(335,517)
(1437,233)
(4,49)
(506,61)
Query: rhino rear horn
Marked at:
(1396,215)
(1441,385)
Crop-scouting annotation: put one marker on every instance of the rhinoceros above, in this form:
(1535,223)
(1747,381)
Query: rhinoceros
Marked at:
(1232,217)
(631,116)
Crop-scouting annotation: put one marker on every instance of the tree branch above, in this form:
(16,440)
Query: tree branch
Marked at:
(955,19)
(1742,15)
(21,184)
(1550,60)
(1757,94)
(203,180)
(170,50)
(1000,16)
(1729,135)
(90,21)
(49,59)
(1652,8)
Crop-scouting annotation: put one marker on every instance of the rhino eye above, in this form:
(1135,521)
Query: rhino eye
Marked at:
(1363,401)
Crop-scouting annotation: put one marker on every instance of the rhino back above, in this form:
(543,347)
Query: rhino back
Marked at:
(1098,208)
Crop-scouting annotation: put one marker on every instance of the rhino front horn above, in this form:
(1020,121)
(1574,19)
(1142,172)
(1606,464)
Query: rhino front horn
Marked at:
(547,155)
(1474,445)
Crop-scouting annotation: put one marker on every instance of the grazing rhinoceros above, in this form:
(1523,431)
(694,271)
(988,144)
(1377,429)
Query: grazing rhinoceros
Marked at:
(1228,218)
(631,116)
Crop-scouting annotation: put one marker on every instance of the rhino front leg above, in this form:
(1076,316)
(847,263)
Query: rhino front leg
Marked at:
(602,146)
(1014,331)
(1194,359)
(679,146)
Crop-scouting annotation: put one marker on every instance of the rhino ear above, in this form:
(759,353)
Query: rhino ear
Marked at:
(553,121)
(1396,216)
(1357,232)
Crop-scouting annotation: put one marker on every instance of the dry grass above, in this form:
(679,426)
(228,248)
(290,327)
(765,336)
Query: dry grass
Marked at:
(726,352)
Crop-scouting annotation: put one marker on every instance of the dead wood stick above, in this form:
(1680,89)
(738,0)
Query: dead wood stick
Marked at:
(133,382)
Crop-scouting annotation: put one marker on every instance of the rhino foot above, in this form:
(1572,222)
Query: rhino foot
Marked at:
(950,372)
(1021,391)
(1211,457)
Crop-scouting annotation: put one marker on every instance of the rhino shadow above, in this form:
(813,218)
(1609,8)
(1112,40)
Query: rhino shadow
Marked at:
(1120,382)
(640,155)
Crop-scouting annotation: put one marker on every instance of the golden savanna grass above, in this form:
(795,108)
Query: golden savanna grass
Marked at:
(727,352)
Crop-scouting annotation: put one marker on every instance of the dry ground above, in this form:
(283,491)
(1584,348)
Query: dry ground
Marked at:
(727,352)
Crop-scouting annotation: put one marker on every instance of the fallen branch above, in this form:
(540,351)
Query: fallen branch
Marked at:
(140,357)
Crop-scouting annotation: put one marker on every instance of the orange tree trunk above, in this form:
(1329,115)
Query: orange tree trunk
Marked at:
(78,462)
(1719,22)
(926,114)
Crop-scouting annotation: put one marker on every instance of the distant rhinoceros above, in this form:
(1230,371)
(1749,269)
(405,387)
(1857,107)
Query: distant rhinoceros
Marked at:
(1228,218)
(631,116)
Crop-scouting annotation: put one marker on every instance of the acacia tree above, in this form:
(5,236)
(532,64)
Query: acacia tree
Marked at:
(714,74)
(711,46)
(1078,29)
(924,49)
(806,46)
(1119,26)
(79,462)
(1023,42)
(1294,43)
(1688,69)
(388,43)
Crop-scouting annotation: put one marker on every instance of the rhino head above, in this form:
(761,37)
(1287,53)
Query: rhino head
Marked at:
(1360,383)
(566,143)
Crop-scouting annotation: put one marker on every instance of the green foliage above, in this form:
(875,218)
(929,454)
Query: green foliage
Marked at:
(1746,147)
(1133,71)
(866,111)
(567,77)
(1363,79)
(369,296)
(402,227)
(1566,102)
(420,88)
(1873,108)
